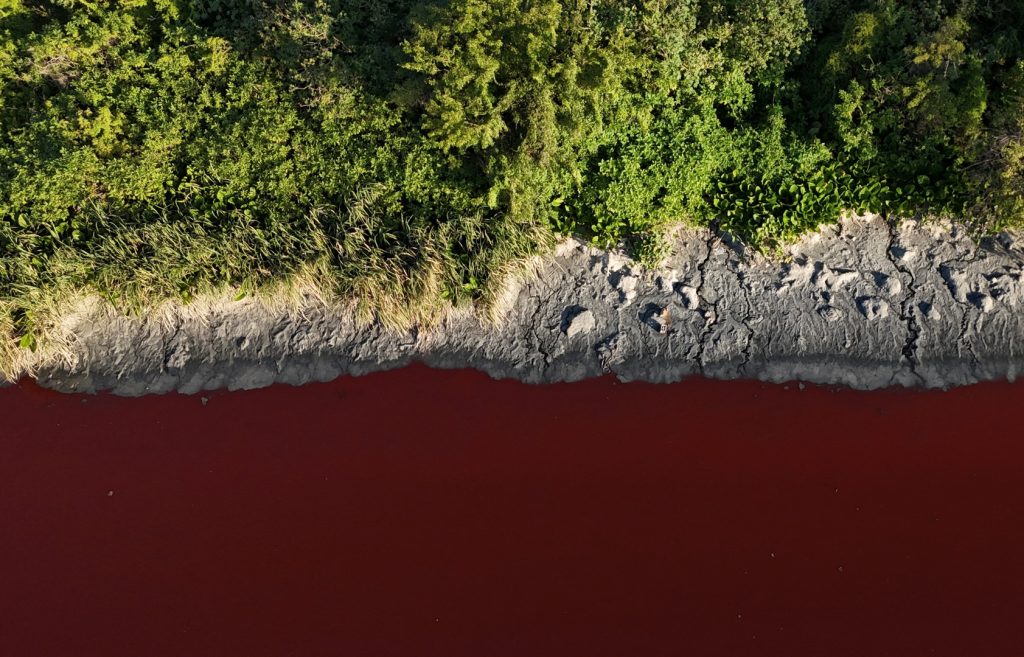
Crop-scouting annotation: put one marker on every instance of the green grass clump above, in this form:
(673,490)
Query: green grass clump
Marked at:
(409,153)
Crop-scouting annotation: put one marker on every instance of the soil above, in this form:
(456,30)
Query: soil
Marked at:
(865,303)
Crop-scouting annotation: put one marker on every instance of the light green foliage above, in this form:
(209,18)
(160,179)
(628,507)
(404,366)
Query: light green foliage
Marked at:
(410,152)
(483,62)
(523,91)
(698,69)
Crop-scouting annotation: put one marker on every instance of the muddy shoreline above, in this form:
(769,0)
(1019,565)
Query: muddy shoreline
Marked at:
(864,304)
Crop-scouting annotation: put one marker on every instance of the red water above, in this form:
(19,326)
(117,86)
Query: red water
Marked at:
(419,513)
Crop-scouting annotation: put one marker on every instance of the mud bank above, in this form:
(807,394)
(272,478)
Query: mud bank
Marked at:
(864,303)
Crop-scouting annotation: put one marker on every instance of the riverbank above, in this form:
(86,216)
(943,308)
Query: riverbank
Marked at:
(864,303)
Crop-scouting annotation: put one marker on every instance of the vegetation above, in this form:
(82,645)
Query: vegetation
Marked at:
(410,152)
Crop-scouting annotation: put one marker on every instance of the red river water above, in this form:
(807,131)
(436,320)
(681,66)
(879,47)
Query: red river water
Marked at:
(420,513)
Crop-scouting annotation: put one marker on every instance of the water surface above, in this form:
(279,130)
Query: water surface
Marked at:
(423,512)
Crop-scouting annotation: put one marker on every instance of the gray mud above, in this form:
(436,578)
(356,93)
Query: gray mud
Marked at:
(862,303)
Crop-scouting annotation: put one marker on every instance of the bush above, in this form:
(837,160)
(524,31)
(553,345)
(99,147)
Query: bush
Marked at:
(410,152)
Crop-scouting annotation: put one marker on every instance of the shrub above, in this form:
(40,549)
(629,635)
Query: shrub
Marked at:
(412,151)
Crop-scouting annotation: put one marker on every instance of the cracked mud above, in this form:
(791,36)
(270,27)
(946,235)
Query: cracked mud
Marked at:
(864,303)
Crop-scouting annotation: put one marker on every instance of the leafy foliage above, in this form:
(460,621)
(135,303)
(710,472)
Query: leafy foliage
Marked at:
(411,151)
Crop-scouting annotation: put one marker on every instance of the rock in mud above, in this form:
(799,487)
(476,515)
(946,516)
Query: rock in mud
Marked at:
(873,308)
(578,321)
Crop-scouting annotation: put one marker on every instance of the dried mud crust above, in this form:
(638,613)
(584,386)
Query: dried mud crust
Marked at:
(864,303)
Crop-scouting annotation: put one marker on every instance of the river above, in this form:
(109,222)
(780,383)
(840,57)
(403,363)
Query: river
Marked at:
(422,512)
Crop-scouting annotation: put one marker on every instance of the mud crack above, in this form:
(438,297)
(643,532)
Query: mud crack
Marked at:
(745,321)
(711,316)
(535,319)
(907,314)
(947,274)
